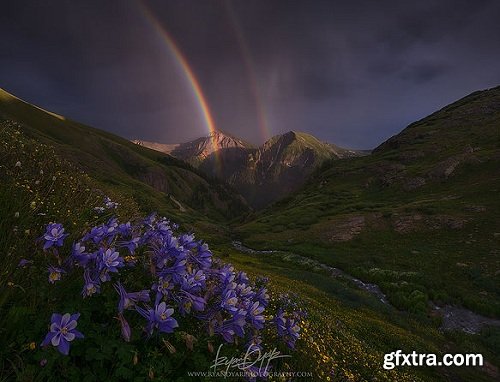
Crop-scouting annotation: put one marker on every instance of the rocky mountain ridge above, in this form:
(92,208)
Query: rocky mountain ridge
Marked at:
(261,174)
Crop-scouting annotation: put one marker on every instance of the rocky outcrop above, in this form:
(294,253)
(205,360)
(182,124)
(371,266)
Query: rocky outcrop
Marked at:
(195,152)
(407,223)
(446,168)
(413,183)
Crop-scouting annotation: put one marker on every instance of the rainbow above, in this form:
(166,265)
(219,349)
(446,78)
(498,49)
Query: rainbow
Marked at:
(193,82)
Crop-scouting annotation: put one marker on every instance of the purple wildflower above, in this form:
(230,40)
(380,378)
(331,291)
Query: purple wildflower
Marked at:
(110,260)
(80,256)
(131,244)
(190,301)
(62,331)
(292,329)
(128,300)
(24,263)
(255,315)
(54,236)
(125,328)
(233,326)
(91,286)
(55,274)
(229,301)
(159,317)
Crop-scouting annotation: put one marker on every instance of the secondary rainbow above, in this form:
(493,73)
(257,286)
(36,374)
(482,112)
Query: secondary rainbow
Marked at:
(246,56)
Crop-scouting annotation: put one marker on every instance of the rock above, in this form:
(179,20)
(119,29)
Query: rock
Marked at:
(445,168)
(446,221)
(457,318)
(406,223)
(413,183)
(469,149)
(346,229)
(389,173)
(491,370)
(410,156)
(473,208)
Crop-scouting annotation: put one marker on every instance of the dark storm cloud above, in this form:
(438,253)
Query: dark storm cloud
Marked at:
(425,72)
(351,72)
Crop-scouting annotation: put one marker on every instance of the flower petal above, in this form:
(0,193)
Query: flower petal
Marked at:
(77,333)
(56,339)
(69,336)
(65,319)
(48,339)
(71,325)
(63,346)
(54,327)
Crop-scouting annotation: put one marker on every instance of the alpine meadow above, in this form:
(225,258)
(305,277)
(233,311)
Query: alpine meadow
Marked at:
(251,207)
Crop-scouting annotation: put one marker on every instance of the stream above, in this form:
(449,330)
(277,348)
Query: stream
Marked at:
(453,317)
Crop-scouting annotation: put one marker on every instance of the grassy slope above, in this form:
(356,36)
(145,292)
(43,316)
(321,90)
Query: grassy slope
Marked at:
(348,330)
(438,241)
(361,214)
(47,187)
(147,175)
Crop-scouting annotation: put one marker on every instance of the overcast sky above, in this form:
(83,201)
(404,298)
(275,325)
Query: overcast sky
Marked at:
(350,72)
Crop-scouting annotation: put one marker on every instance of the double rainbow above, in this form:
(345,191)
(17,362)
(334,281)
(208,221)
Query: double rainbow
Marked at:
(193,82)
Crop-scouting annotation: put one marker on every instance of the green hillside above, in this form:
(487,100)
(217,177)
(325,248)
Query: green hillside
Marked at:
(156,181)
(425,202)
(56,170)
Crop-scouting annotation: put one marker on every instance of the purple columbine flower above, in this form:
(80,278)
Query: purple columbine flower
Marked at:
(96,234)
(55,274)
(54,236)
(203,256)
(194,281)
(125,328)
(91,286)
(80,256)
(280,322)
(131,244)
(159,317)
(230,301)
(262,296)
(189,301)
(62,331)
(128,300)
(24,263)
(255,315)
(125,229)
(162,287)
(292,329)
(110,260)
(226,274)
(233,326)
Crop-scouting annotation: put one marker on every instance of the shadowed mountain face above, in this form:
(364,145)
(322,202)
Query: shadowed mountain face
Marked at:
(264,174)
(158,180)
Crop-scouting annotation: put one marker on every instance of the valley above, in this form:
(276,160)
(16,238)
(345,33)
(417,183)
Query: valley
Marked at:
(409,228)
